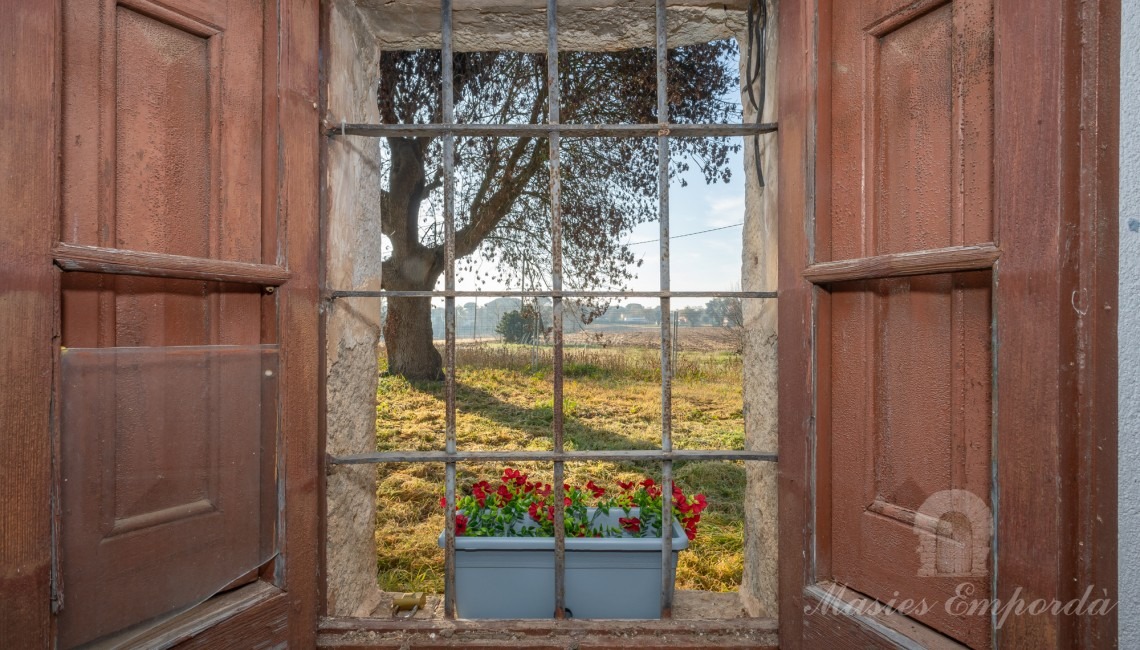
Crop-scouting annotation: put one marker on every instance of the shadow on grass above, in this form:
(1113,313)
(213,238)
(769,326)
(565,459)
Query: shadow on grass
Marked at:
(722,481)
(535,422)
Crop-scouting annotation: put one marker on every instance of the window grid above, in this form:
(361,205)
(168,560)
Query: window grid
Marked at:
(553,130)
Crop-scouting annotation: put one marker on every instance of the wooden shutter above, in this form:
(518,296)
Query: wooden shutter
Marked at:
(170,362)
(947,177)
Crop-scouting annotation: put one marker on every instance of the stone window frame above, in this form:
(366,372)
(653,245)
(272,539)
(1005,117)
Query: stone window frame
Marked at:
(553,130)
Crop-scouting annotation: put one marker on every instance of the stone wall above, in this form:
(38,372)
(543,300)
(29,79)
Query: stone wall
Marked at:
(586,25)
(759,273)
(353,331)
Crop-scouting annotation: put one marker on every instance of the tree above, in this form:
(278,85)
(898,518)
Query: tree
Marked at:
(728,313)
(501,192)
(520,326)
(718,310)
(692,315)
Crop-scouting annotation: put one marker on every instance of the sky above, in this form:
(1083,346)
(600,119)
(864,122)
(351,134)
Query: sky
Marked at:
(707,261)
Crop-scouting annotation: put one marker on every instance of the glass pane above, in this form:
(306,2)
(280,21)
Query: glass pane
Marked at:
(408,521)
(608,75)
(505,392)
(715,559)
(706,215)
(168,467)
(710,355)
(609,215)
(502,215)
(408,85)
(502,87)
(410,410)
(704,76)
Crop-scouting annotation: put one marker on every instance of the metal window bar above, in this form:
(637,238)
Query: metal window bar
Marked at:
(666,326)
(554,131)
(553,98)
(447,84)
(544,130)
(549,294)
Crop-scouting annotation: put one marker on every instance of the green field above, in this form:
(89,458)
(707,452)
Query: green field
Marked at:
(612,401)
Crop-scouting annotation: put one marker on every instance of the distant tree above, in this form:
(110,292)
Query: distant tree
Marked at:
(520,326)
(692,315)
(716,309)
(729,314)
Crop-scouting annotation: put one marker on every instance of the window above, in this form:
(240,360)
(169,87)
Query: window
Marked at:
(659,134)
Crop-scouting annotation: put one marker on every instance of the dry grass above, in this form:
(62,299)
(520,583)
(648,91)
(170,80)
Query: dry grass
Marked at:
(612,401)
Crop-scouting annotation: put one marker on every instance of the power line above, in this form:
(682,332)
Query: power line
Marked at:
(688,234)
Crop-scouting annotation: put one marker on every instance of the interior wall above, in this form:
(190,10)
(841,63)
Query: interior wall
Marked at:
(353,260)
(1128,329)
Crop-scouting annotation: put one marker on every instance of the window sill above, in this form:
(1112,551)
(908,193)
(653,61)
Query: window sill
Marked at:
(259,608)
(376,633)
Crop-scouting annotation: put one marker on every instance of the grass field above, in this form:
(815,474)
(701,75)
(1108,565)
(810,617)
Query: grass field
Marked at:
(612,401)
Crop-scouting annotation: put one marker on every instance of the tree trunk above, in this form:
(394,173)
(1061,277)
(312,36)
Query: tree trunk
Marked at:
(408,339)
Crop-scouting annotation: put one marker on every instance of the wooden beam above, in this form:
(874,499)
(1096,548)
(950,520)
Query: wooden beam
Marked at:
(952,259)
(74,257)
(797,26)
(29,74)
(298,186)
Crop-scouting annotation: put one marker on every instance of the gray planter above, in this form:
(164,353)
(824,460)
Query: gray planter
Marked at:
(513,577)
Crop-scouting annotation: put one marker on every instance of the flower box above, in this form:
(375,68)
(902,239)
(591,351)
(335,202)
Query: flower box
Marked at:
(607,577)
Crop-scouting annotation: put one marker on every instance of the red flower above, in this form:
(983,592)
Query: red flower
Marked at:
(567,501)
(534,511)
(460,524)
(550,512)
(504,493)
(647,483)
(443,502)
(542,490)
(626,486)
(631,524)
(514,476)
(480,496)
(701,503)
(598,492)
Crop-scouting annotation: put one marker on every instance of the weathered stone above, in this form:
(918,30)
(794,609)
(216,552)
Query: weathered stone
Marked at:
(353,329)
(587,25)
(758,591)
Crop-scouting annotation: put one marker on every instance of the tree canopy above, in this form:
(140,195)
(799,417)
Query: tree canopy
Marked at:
(502,210)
